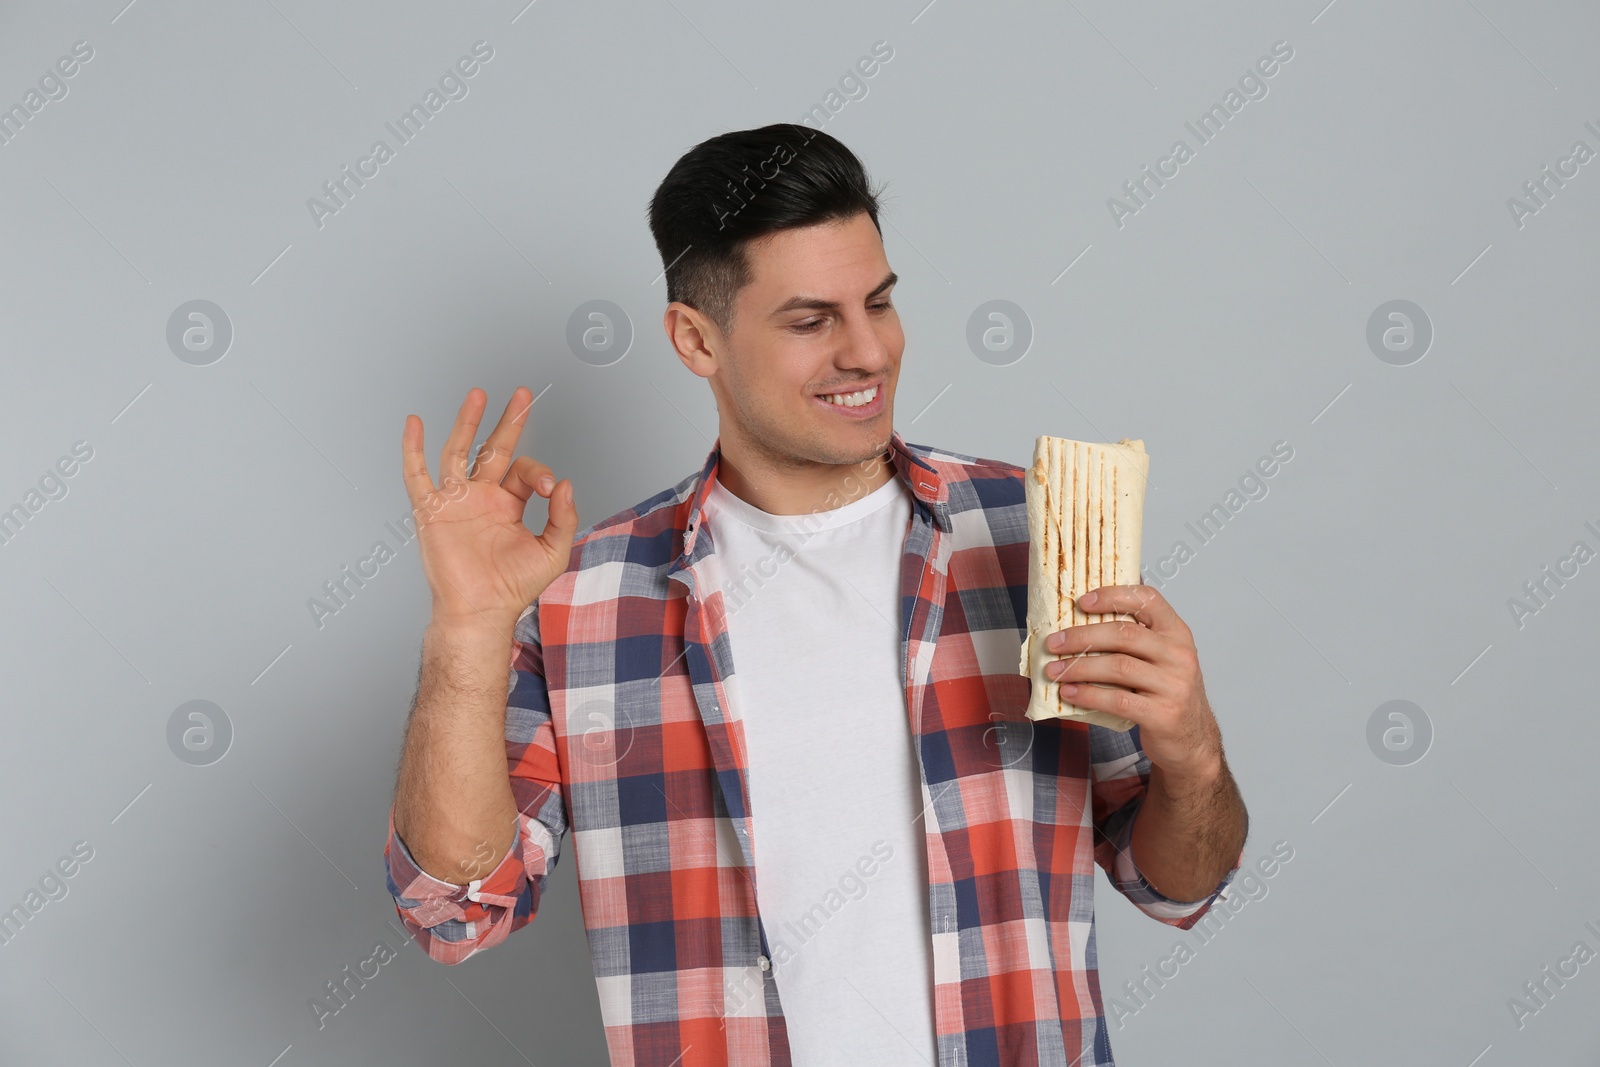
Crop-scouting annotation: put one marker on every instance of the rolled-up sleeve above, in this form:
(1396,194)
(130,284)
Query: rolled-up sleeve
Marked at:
(452,922)
(1121,780)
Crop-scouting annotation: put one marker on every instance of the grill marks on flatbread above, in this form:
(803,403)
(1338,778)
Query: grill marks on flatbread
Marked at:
(1085,513)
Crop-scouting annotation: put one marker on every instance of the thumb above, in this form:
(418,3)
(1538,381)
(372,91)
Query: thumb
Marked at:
(562,523)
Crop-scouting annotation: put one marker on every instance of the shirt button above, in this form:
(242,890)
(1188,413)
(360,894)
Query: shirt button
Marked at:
(764,963)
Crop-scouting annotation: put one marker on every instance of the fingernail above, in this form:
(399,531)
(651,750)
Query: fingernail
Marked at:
(1068,688)
(546,484)
(1054,642)
(1087,598)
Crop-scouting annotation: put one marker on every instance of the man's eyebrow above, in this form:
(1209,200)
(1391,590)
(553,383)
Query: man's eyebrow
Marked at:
(816,303)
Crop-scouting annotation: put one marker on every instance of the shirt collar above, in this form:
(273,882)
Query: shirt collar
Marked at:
(926,482)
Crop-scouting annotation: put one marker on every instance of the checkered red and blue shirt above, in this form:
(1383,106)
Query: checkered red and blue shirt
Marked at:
(619,730)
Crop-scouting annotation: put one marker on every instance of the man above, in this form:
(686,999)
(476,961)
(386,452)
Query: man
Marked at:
(777,705)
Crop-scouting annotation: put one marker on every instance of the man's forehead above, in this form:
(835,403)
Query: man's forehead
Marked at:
(828,260)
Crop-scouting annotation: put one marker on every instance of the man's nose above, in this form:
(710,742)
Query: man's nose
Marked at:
(865,347)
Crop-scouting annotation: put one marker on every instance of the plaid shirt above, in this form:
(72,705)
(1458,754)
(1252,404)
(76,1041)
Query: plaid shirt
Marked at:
(619,729)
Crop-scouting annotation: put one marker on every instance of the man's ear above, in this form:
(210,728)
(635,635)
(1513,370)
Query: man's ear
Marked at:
(695,338)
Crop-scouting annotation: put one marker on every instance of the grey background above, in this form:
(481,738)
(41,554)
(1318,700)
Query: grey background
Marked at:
(1229,313)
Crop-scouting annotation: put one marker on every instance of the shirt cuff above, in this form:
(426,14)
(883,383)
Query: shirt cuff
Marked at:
(429,900)
(1130,881)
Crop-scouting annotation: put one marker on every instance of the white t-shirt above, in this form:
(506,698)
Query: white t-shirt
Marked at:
(813,606)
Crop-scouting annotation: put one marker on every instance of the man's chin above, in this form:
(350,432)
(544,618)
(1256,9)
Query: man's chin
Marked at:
(869,444)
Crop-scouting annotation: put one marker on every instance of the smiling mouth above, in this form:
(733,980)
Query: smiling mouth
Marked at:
(857,399)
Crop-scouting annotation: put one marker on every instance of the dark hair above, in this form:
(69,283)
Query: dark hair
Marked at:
(740,186)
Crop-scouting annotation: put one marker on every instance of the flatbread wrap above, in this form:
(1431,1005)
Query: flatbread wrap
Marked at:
(1085,523)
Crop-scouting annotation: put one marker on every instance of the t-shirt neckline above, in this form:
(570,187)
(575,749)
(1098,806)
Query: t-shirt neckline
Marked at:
(823,519)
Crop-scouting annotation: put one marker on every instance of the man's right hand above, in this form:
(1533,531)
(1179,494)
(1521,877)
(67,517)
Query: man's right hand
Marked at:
(482,564)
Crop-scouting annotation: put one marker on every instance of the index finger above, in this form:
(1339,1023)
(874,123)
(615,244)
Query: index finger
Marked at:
(1113,635)
(1142,602)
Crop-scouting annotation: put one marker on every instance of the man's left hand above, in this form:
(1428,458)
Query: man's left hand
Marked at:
(1148,672)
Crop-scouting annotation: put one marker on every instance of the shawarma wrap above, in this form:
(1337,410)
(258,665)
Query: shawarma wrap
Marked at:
(1085,520)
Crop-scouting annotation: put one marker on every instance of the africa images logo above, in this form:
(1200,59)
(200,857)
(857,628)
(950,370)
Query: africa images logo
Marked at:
(1252,85)
(452,86)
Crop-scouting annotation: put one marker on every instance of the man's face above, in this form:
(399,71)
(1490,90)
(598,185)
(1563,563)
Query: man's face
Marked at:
(815,319)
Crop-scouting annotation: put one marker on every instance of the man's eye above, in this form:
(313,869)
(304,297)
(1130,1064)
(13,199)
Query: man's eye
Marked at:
(813,325)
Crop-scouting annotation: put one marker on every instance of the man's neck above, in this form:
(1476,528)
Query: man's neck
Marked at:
(781,488)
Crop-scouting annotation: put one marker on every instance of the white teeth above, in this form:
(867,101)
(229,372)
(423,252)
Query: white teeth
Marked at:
(853,400)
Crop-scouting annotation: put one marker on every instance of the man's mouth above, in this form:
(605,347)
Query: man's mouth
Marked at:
(863,398)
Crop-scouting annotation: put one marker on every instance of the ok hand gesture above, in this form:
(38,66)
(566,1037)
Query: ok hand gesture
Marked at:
(482,564)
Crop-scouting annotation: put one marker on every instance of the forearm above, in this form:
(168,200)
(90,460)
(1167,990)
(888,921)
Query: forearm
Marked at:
(454,808)
(1188,832)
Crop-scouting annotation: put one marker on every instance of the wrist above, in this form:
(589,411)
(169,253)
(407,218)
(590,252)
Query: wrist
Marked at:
(473,625)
